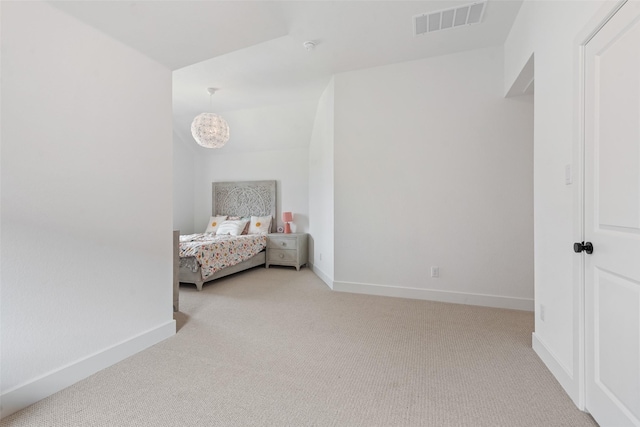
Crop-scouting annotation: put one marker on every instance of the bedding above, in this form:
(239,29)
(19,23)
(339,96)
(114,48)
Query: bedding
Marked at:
(215,252)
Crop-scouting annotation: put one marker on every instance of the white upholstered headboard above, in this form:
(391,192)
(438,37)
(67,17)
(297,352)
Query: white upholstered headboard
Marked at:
(244,199)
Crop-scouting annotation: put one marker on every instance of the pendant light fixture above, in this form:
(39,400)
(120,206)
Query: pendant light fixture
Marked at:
(208,129)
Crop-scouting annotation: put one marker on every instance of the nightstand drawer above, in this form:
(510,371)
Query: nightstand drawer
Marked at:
(281,242)
(279,255)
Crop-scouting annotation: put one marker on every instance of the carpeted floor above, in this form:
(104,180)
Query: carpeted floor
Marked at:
(276,347)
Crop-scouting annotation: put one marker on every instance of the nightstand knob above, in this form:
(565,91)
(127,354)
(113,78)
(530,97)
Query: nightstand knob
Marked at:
(281,255)
(284,243)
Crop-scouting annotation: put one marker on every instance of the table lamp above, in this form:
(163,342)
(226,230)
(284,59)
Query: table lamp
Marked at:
(287,217)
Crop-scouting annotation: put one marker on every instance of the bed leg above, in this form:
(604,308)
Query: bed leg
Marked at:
(199,285)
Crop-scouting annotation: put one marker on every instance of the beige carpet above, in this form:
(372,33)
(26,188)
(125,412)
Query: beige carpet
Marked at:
(276,347)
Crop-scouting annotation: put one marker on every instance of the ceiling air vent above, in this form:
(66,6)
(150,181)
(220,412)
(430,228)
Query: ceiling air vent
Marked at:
(467,14)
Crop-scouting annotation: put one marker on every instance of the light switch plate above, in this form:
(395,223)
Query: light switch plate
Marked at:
(435,271)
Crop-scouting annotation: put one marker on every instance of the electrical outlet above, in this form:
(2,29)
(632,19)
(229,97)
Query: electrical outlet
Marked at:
(435,271)
(320,257)
(542,312)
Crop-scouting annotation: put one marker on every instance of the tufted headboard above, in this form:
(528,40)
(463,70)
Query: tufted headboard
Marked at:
(244,199)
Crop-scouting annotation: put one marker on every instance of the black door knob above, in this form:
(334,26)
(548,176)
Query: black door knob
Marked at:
(579,247)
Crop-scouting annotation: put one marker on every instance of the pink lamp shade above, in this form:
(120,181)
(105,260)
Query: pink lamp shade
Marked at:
(287,217)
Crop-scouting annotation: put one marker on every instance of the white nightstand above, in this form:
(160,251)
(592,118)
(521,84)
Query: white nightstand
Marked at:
(287,249)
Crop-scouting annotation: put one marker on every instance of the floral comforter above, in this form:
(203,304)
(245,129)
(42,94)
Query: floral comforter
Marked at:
(214,253)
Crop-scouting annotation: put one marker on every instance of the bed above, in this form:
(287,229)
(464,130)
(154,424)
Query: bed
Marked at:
(200,264)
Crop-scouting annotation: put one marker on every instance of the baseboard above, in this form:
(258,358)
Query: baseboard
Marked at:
(29,393)
(436,295)
(557,369)
(322,275)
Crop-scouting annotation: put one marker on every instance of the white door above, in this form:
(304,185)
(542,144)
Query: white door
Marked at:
(612,220)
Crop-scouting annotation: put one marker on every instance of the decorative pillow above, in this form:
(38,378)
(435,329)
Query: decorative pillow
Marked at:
(214,223)
(259,224)
(243,218)
(233,227)
(246,227)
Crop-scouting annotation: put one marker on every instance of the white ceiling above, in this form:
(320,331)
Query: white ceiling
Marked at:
(252,50)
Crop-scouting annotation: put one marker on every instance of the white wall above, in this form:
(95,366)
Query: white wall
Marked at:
(321,188)
(86,202)
(433,167)
(287,127)
(183,185)
(550,31)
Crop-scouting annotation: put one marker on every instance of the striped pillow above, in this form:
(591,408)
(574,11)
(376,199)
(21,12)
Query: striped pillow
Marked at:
(233,227)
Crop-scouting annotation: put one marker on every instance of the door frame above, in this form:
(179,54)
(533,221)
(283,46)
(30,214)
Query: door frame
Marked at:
(602,16)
